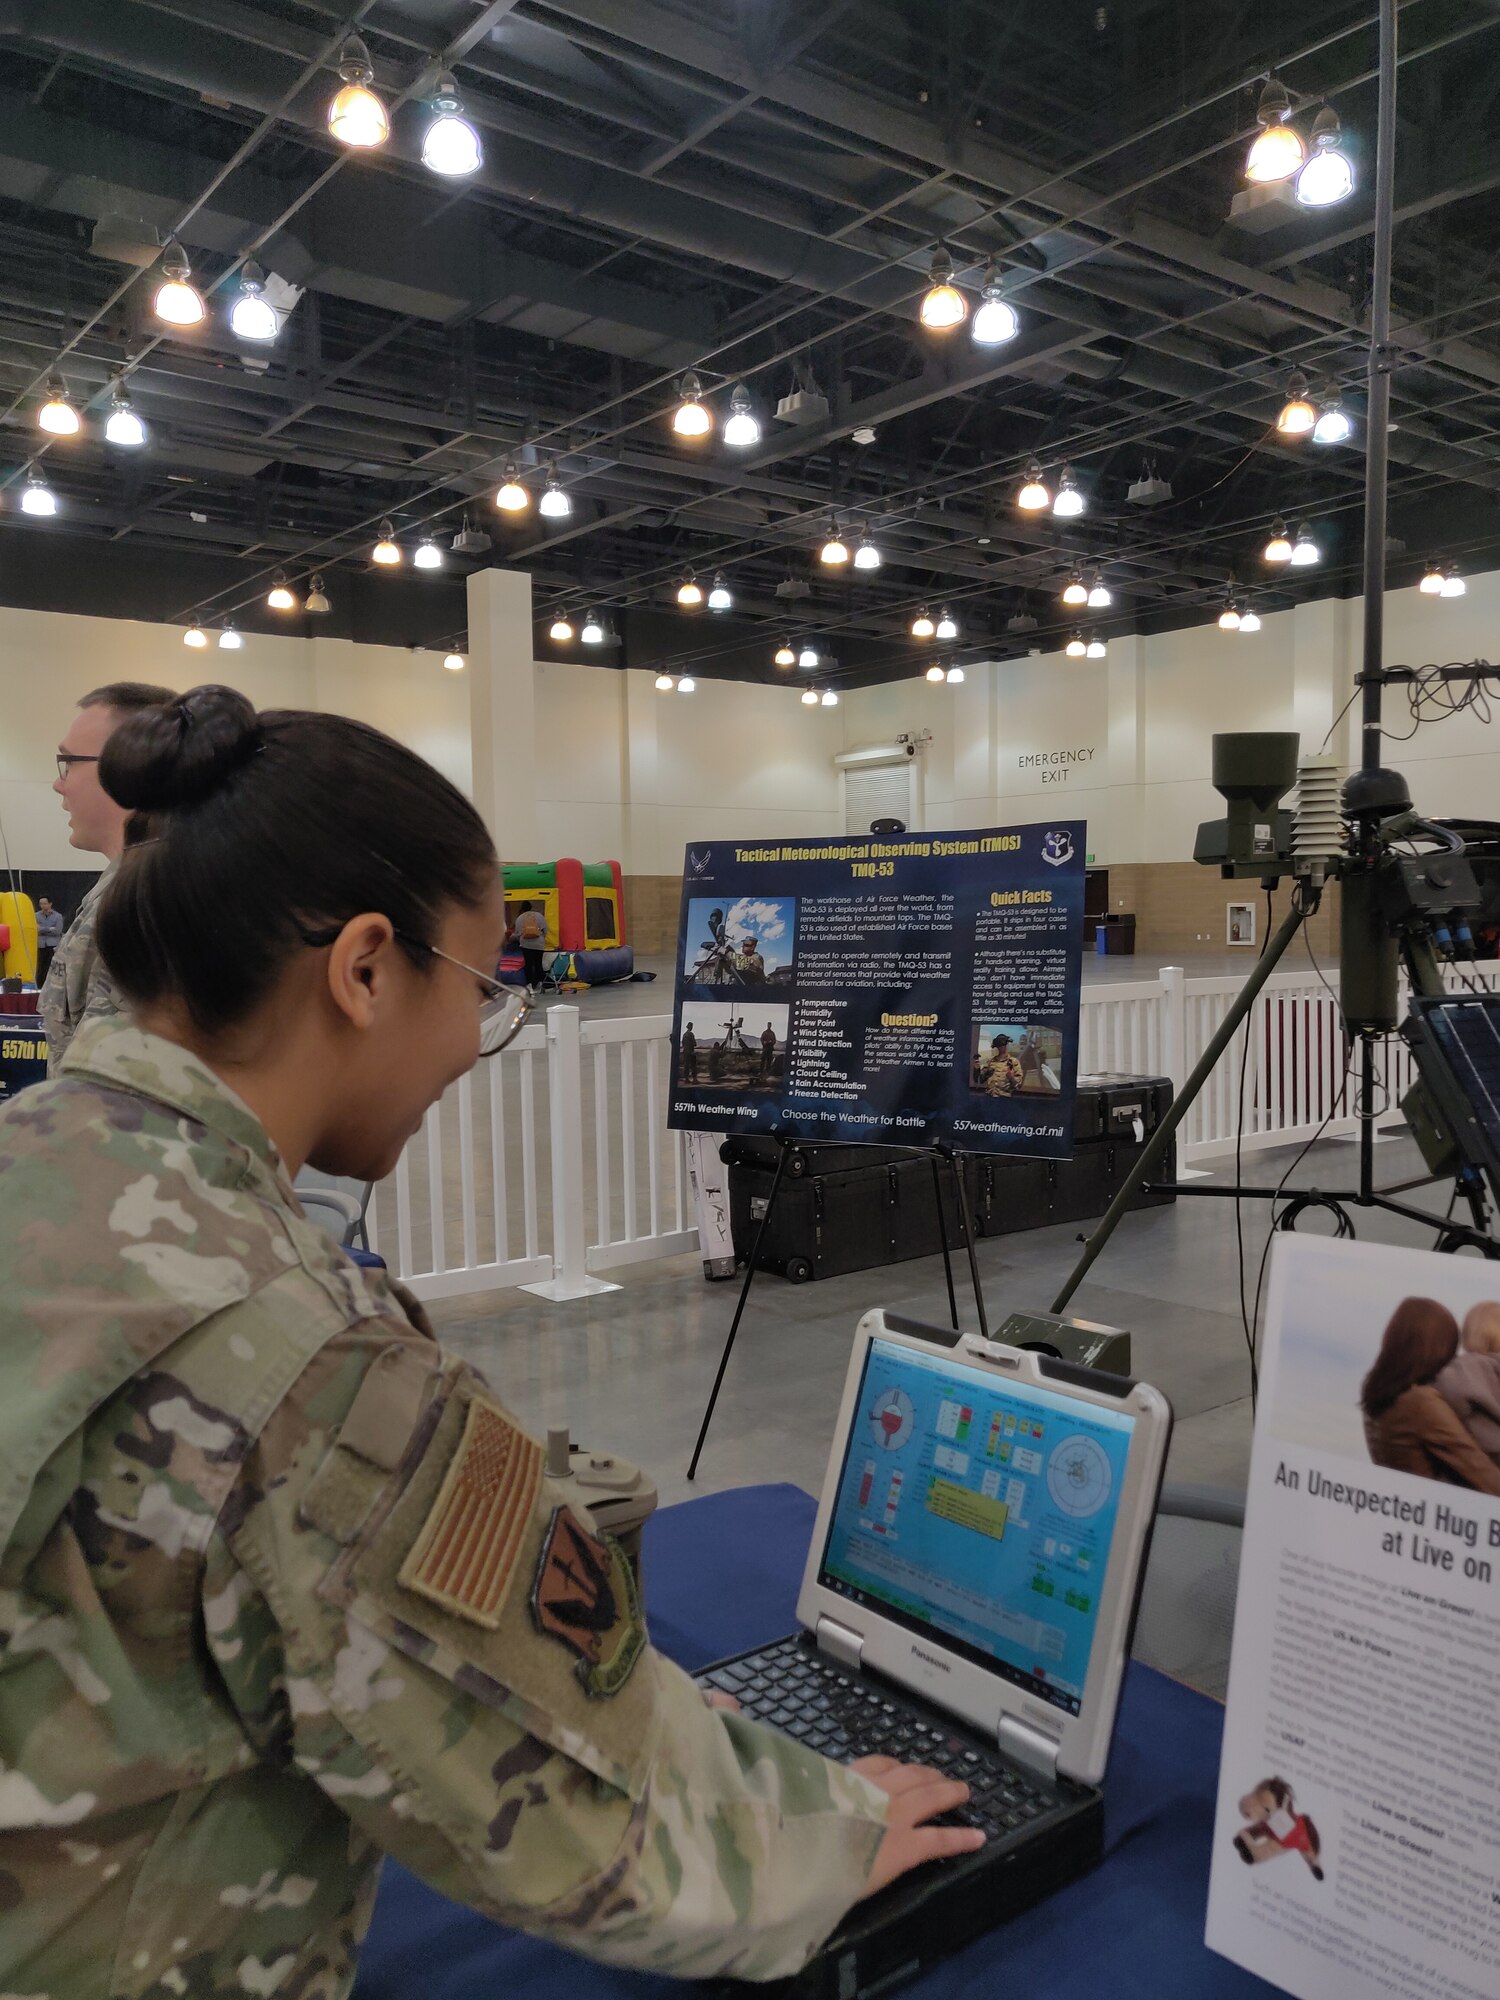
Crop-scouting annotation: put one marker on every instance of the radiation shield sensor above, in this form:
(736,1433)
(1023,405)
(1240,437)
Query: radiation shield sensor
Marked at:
(982,1532)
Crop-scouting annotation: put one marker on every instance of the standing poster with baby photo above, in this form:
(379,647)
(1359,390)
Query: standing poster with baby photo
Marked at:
(1357,1833)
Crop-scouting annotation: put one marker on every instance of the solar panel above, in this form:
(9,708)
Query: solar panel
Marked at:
(1455,1043)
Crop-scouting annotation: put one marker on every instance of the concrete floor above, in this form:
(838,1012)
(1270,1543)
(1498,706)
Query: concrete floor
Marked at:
(632,1370)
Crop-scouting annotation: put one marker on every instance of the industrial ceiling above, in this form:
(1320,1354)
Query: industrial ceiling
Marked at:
(754,190)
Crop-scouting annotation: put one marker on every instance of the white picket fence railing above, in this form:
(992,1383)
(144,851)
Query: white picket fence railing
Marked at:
(551,1163)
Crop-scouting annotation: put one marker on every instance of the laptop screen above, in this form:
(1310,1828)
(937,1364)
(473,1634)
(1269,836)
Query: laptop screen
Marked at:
(980,1509)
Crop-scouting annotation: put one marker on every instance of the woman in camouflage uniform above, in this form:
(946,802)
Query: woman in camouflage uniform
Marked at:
(283,1586)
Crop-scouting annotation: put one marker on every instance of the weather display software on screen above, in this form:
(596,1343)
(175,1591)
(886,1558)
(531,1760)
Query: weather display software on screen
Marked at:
(982,1509)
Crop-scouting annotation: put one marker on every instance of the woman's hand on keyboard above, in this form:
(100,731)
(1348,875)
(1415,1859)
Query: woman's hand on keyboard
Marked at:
(916,1794)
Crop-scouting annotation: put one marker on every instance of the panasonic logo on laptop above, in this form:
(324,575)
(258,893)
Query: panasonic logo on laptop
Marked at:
(932,1660)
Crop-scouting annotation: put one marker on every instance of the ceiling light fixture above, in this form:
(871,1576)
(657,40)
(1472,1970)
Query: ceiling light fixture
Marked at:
(808,657)
(809,697)
(947,626)
(922,626)
(195,636)
(1076,648)
(935,673)
(954,676)
(866,556)
(719,598)
(835,551)
(943,304)
(689,591)
(830,699)
(1249,620)
(253,317)
(1453,583)
(428,555)
(690,419)
(561,630)
(665,683)
(1305,550)
(593,629)
(230,640)
(356,117)
(1096,648)
(555,502)
(1076,591)
(37,496)
(281,597)
(178,300)
(742,426)
(995,322)
(1328,176)
(1298,415)
(512,498)
(455,662)
(124,426)
(1432,581)
(451,146)
(1278,152)
(58,416)
(387,551)
(317,600)
(1333,425)
(1069,502)
(1100,595)
(1279,548)
(687,685)
(784,656)
(1035,494)
(1229,617)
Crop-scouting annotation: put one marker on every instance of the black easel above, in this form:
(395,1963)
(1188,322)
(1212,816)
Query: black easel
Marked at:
(939,1155)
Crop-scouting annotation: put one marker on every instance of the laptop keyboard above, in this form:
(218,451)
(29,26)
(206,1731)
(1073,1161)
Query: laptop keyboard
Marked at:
(815,1701)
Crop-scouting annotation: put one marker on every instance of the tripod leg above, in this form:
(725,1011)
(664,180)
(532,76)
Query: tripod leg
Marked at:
(734,1324)
(937,1195)
(1366,1119)
(968,1222)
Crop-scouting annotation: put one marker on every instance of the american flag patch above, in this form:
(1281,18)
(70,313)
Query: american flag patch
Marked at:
(466,1553)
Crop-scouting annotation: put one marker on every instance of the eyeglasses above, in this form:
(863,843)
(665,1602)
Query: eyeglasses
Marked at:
(502,1013)
(66,759)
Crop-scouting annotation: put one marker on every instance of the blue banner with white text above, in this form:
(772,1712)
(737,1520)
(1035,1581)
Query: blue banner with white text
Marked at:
(904,989)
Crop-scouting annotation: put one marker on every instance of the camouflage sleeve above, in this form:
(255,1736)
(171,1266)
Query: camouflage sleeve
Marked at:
(406,1610)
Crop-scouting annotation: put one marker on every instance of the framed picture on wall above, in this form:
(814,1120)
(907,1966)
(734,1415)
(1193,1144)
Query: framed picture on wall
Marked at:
(1239,923)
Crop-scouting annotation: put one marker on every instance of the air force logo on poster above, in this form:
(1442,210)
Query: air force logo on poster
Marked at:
(907,989)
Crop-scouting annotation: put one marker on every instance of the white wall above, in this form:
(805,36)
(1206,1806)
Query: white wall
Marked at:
(48,659)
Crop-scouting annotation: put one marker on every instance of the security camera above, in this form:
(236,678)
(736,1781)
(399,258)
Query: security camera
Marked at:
(910,749)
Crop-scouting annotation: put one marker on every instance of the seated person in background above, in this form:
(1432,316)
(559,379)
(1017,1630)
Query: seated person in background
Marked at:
(1409,1426)
(1470,1383)
(286,1585)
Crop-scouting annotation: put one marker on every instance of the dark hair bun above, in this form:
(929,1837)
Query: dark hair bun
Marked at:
(181,752)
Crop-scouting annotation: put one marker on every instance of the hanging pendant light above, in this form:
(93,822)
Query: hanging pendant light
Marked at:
(512,498)
(561,630)
(784,656)
(720,598)
(58,416)
(1333,425)
(280,597)
(195,636)
(230,640)
(1076,647)
(1298,415)
(1279,548)
(954,676)
(830,699)
(356,117)
(427,555)
(947,625)
(1249,620)
(808,657)
(37,496)
(943,305)
(665,683)
(1305,550)
(178,300)
(1069,502)
(1100,595)
(317,598)
(1453,583)
(922,626)
(387,550)
(835,550)
(690,419)
(253,317)
(1328,176)
(593,630)
(742,427)
(1096,648)
(124,426)
(1277,153)
(687,685)
(1035,493)
(1229,617)
(688,591)
(1432,582)
(555,502)
(935,673)
(1075,591)
(866,556)
(995,322)
(809,697)
(455,663)
(451,146)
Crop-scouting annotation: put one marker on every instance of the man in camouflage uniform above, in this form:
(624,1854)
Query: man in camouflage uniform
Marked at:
(1000,1072)
(78,982)
(283,1586)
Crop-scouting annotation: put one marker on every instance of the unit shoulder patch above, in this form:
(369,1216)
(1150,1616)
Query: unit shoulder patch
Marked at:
(585,1596)
(465,1555)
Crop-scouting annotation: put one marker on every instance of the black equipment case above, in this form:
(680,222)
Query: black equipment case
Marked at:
(851,1208)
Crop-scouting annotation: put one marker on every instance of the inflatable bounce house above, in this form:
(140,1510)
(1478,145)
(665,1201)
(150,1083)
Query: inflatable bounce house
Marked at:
(583,906)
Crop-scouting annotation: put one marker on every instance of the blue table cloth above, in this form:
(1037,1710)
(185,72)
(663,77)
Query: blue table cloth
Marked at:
(722,1574)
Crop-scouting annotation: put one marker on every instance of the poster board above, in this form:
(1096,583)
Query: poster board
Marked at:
(908,989)
(1357,1832)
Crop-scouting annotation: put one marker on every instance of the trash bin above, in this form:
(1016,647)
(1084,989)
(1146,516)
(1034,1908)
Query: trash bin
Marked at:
(1116,933)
